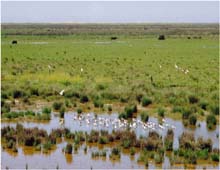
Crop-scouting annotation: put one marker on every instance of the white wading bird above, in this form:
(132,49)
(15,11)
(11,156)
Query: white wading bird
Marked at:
(61,93)
(176,66)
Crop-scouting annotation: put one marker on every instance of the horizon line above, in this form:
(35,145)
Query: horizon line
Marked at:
(110,23)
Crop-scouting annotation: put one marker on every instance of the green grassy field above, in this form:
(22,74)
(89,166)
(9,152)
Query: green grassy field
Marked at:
(114,71)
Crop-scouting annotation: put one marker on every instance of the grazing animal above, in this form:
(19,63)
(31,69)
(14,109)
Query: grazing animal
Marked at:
(161,37)
(14,42)
(114,38)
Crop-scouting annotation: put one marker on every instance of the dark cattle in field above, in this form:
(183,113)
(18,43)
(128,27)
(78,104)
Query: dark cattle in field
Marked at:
(161,37)
(188,38)
(14,42)
(114,38)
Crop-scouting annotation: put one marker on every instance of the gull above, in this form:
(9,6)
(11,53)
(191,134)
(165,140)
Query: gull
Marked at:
(61,93)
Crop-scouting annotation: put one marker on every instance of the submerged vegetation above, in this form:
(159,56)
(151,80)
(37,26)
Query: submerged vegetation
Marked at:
(152,146)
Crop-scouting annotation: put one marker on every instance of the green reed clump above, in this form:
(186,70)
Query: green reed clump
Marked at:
(144,116)
(68,148)
(57,105)
(211,121)
(145,101)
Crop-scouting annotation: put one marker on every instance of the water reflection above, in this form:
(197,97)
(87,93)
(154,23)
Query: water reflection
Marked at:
(82,125)
(56,158)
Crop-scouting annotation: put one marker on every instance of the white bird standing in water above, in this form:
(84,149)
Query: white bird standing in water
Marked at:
(61,93)
(61,121)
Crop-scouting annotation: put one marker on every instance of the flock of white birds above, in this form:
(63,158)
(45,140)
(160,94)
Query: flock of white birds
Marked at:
(116,123)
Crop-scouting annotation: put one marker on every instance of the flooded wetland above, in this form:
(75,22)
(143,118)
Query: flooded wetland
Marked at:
(104,98)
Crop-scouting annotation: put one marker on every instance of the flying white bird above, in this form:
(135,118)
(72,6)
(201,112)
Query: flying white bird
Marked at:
(61,93)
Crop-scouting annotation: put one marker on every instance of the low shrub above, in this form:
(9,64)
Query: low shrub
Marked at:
(103,153)
(47,146)
(10,144)
(161,112)
(5,107)
(17,93)
(169,140)
(100,87)
(203,144)
(46,110)
(34,91)
(144,116)
(186,113)
(158,159)
(29,140)
(84,99)
(193,99)
(192,120)
(103,140)
(215,109)
(128,112)
(126,143)
(202,154)
(69,148)
(98,103)
(203,105)
(62,112)
(177,109)
(109,108)
(79,110)
(215,157)
(132,151)
(146,101)
(190,156)
(57,105)
(115,151)
(187,141)
(211,121)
